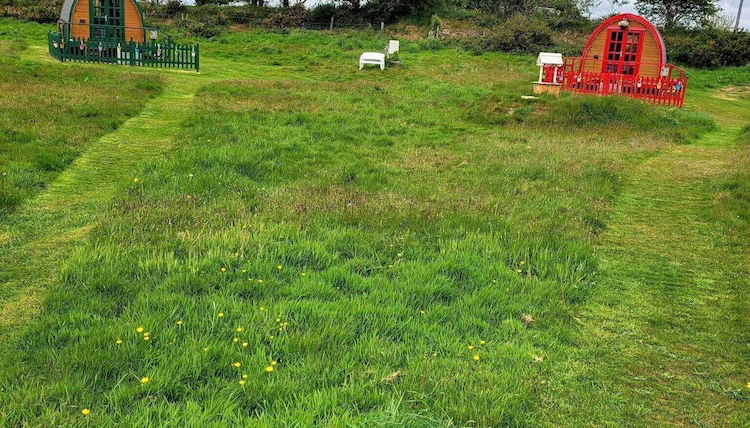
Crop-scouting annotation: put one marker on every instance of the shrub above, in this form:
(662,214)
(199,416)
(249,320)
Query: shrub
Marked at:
(518,34)
(709,48)
(322,13)
(206,21)
(174,8)
(204,27)
(40,11)
(292,17)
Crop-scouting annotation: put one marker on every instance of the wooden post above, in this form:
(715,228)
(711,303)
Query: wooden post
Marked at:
(382,26)
(331,27)
(197,57)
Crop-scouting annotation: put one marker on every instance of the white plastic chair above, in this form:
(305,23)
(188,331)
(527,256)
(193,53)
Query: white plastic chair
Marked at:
(378,58)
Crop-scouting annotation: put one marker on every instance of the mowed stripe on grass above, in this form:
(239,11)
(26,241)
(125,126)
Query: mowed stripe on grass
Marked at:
(663,341)
(43,232)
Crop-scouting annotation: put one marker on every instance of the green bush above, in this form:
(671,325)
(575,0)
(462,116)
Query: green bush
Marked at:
(174,8)
(322,13)
(520,33)
(202,28)
(287,18)
(39,10)
(709,48)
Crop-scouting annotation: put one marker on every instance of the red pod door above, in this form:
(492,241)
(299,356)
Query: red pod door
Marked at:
(622,52)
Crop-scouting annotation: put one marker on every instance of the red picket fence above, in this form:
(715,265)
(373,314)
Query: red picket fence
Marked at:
(669,89)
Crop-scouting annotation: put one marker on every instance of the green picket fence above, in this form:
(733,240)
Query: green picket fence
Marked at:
(152,54)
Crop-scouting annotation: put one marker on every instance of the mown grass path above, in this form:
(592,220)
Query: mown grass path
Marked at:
(663,342)
(39,237)
(43,232)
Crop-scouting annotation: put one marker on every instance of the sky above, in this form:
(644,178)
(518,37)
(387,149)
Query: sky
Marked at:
(606,8)
(729,6)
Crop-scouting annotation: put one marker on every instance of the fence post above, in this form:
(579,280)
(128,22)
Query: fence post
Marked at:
(197,57)
(382,26)
(331,27)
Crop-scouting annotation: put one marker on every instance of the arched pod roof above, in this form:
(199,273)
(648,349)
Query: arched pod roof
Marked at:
(631,18)
(68,6)
(66,10)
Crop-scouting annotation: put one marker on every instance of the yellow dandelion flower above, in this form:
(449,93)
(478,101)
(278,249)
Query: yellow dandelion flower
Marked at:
(179,322)
(223,269)
(237,364)
(242,382)
(476,357)
(482,342)
(205,349)
(146,338)
(470,346)
(303,274)
(279,267)
(235,340)
(262,308)
(523,262)
(118,341)
(85,412)
(260,280)
(269,369)
(239,329)
(422,312)
(244,344)
(244,376)
(272,337)
(278,319)
(434,354)
(135,180)
(145,380)
(273,362)
(748,384)
(139,329)
(221,314)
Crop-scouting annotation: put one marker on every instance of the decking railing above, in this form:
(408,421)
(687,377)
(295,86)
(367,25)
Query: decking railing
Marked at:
(668,89)
(151,54)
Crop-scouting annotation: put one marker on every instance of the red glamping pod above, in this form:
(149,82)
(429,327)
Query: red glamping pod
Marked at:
(625,55)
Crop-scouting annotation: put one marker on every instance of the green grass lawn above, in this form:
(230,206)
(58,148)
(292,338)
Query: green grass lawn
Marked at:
(322,246)
(49,114)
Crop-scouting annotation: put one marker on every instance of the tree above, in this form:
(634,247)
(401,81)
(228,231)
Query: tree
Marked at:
(673,13)
(504,7)
(585,6)
(216,2)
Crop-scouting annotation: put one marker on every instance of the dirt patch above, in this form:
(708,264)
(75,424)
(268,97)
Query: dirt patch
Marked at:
(733,93)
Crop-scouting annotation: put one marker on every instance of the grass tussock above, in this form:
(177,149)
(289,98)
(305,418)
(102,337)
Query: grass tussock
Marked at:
(681,126)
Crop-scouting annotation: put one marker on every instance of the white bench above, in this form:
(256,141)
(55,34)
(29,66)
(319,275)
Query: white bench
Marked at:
(378,58)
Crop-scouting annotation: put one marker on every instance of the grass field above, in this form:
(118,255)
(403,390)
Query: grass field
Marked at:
(283,240)
(50,113)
